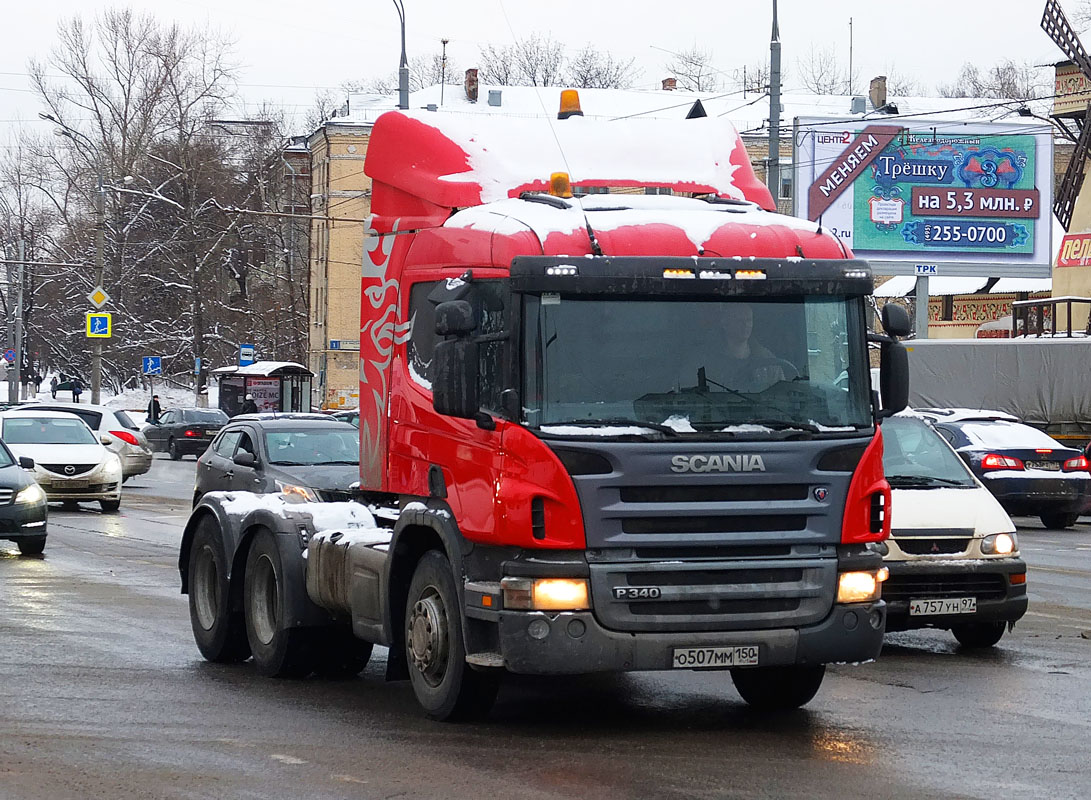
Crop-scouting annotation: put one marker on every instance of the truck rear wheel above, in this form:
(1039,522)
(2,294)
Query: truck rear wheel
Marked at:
(778,688)
(1059,521)
(979,634)
(341,655)
(445,685)
(220,631)
(279,651)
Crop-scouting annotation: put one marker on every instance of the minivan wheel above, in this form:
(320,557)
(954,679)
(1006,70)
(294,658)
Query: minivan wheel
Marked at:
(1059,521)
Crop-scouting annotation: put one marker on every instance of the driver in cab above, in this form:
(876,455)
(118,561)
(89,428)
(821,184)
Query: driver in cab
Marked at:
(735,359)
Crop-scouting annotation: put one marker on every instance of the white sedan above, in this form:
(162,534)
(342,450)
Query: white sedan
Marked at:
(70,462)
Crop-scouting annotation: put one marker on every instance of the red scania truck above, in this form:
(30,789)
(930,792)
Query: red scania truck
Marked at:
(615,414)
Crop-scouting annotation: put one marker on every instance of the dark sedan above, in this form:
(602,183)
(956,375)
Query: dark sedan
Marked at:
(22,504)
(1026,470)
(184,431)
(313,458)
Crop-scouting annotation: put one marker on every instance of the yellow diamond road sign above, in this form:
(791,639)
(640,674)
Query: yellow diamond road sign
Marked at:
(98,297)
(99,325)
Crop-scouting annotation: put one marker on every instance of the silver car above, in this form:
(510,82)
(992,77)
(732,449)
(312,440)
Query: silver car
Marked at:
(117,431)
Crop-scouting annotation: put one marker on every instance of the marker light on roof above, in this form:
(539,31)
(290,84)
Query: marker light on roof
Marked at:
(750,274)
(678,273)
(856,273)
(714,275)
(562,270)
(560,185)
(570,104)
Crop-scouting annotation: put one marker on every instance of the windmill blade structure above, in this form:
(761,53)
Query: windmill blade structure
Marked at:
(1057,26)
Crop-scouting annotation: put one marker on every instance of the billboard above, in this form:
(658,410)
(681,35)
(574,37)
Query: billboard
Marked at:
(966,198)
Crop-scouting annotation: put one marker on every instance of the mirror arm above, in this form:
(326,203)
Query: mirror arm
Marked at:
(485,421)
(879,338)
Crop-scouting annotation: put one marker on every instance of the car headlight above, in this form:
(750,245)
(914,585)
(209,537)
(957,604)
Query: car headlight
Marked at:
(31,494)
(546,594)
(860,587)
(297,494)
(1001,544)
(112,463)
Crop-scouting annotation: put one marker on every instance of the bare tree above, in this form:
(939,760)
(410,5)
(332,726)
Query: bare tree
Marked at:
(533,61)
(753,77)
(694,71)
(592,68)
(1007,80)
(901,84)
(821,73)
(498,65)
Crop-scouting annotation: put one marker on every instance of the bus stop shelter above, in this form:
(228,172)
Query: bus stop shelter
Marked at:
(274,385)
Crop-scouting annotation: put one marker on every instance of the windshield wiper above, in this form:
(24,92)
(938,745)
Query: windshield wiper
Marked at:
(922,481)
(327,463)
(783,424)
(585,423)
(290,463)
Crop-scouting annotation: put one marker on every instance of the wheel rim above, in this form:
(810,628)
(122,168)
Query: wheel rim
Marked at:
(428,635)
(264,605)
(206,588)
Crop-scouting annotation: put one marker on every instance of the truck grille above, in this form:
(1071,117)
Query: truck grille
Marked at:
(933,547)
(911,587)
(705,595)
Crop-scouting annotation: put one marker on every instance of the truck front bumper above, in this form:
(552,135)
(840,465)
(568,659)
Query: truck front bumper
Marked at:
(569,643)
(988,580)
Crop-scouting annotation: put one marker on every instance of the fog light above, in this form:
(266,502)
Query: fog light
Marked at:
(546,594)
(858,587)
(1001,544)
(538,629)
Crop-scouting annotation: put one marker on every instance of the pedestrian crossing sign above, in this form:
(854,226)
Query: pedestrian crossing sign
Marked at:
(99,325)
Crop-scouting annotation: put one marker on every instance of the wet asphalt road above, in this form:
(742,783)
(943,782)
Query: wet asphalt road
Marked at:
(105,695)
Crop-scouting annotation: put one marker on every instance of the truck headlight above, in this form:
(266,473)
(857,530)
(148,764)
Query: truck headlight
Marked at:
(297,494)
(1001,544)
(31,494)
(546,594)
(860,587)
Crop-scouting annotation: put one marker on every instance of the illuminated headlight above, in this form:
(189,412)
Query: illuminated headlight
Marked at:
(860,587)
(1001,544)
(31,494)
(297,494)
(112,465)
(714,275)
(546,594)
(561,270)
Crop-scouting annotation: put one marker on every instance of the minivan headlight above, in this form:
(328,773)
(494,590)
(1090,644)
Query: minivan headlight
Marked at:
(297,494)
(31,494)
(1001,544)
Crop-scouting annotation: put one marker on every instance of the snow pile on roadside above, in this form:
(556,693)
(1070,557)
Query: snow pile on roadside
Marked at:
(169,397)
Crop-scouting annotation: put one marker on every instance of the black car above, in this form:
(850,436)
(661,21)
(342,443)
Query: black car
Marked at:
(184,431)
(1027,471)
(311,457)
(22,504)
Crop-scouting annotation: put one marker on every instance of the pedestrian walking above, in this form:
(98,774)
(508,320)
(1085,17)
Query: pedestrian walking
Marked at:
(77,389)
(53,386)
(154,410)
(249,406)
(37,383)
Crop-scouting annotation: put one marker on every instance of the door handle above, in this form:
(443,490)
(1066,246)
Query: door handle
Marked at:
(229,474)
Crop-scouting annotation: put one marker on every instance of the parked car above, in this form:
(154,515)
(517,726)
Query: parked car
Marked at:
(70,463)
(117,431)
(311,457)
(351,417)
(185,431)
(1026,470)
(22,504)
(953,554)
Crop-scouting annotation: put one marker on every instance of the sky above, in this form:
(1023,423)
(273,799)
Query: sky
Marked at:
(286,51)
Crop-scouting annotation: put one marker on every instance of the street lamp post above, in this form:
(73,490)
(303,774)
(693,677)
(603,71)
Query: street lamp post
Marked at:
(100,233)
(403,66)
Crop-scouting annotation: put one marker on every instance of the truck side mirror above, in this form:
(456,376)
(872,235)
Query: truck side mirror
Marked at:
(454,318)
(893,377)
(454,376)
(895,320)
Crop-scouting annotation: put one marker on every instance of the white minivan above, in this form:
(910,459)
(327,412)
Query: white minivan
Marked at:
(953,555)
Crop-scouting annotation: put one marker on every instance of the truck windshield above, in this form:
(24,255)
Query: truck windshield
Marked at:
(694,365)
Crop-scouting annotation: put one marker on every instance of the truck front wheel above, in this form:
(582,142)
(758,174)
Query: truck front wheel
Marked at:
(219,631)
(446,687)
(778,688)
(279,651)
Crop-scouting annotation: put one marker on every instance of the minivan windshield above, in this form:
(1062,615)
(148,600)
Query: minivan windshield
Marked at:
(915,456)
(696,366)
(47,430)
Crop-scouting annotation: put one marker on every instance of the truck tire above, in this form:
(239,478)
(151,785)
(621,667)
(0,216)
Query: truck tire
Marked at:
(778,688)
(445,685)
(340,654)
(1059,521)
(32,545)
(220,631)
(979,634)
(279,652)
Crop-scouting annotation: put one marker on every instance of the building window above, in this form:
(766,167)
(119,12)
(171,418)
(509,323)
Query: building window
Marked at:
(579,191)
(658,190)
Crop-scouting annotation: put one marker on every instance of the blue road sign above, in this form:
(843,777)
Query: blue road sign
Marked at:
(9,356)
(153,365)
(246,355)
(197,365)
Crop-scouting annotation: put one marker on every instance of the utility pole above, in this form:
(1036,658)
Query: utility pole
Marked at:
(100,232)
(443,69)
(850,55)
(9,317)
(772,172)
(18,363)
(403,66)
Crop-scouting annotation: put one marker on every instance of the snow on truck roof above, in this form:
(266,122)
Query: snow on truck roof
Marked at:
(455,161)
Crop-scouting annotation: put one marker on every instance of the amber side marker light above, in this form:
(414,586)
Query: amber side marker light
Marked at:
(1018,578)
(570,104)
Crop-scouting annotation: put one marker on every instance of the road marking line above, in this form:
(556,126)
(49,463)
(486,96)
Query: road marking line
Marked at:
(283,759)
